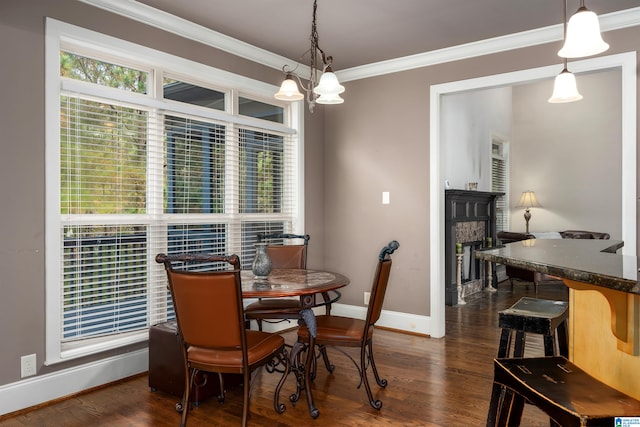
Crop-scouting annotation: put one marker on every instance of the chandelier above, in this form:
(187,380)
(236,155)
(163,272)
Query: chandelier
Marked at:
(325,91)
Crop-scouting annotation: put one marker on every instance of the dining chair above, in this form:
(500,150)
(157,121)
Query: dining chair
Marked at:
(338,331)
(211,328)
(286,256)
(283,257)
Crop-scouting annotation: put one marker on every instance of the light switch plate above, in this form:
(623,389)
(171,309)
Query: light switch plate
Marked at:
(385,198)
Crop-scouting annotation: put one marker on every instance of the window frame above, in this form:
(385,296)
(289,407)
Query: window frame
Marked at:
(503,158)
(62,36)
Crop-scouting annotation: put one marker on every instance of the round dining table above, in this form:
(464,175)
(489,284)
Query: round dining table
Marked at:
(305,284)
(290,282)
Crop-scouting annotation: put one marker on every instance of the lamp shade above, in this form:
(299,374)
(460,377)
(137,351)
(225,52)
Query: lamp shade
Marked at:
(565,89)
(289,91)
(528,200)
(583,36)
(328,85)
(329,99)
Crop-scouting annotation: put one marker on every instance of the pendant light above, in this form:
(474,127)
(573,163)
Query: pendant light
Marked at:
(564,86)
(582,37)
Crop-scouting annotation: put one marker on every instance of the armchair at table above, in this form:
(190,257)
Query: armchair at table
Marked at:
(339,331)
(505,237)
(208,309)
(282,256)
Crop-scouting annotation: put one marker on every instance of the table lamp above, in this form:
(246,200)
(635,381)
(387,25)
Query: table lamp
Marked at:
(528,200)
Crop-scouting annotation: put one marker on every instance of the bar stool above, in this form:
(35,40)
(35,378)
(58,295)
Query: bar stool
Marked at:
(567,394)
(534,316)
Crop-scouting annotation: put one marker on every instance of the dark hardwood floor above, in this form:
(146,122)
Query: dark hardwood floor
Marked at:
(432,382)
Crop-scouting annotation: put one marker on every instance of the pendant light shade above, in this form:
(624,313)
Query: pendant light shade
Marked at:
(329,89)
(289,90)
(583,36)
(565,88)
(330,99)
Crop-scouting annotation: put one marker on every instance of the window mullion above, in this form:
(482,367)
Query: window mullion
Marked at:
(232,184)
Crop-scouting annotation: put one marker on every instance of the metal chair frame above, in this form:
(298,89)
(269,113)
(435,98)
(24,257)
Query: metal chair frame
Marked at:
(365,340)
(199,347)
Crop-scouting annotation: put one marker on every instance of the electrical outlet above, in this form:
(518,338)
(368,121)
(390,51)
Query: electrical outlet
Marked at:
(27,365)
(366,298)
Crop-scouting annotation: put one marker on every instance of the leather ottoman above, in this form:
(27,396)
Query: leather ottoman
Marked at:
(166,366)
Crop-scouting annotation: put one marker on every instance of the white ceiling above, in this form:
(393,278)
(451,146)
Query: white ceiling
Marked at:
(359,32)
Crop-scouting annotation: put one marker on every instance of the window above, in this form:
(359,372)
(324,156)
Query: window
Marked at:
(200,164)
(500,181)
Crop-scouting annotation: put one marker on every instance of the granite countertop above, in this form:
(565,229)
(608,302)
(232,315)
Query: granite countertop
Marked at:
(582,260)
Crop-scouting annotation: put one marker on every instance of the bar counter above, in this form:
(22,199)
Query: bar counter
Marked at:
(604,301)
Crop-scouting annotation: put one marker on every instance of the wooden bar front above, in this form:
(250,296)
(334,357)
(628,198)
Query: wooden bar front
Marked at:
(604,302)
(603,335)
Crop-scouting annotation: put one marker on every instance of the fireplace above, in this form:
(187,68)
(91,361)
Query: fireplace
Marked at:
(469,220)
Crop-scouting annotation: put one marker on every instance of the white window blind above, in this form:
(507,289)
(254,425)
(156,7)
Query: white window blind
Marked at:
(141,173)
(500,182)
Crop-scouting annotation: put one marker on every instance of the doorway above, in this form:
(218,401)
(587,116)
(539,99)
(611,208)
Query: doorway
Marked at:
(626,62)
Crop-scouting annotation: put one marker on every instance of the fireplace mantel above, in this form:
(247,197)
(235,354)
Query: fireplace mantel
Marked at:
(478,208)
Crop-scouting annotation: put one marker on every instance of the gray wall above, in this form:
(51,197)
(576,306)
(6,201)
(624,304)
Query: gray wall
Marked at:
(470,119)
(376,141)
(570,155)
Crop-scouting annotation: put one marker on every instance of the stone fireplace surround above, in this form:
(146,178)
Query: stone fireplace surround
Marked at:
(469,219)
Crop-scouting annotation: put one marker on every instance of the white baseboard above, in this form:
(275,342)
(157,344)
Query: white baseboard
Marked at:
(43,388)
(389,319)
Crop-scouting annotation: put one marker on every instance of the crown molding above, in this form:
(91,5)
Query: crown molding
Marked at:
(181,27)
(609,22)
(167,22)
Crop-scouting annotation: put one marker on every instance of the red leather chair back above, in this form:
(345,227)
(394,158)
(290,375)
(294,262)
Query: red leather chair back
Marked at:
(288,256)
(206,305)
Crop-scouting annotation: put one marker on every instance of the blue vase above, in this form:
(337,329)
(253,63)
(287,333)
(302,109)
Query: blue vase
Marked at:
(261,263)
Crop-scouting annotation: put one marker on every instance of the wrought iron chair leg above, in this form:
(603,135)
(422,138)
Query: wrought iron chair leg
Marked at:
(187,392)
(283,358)
(364,357)
(298,369)
(382,382)
(325,358)
(246,396)
(314,368)
(222,393)
(313,411)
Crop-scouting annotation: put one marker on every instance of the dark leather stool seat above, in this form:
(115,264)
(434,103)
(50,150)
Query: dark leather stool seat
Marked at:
(529,316)
(570,396)
(535,316)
